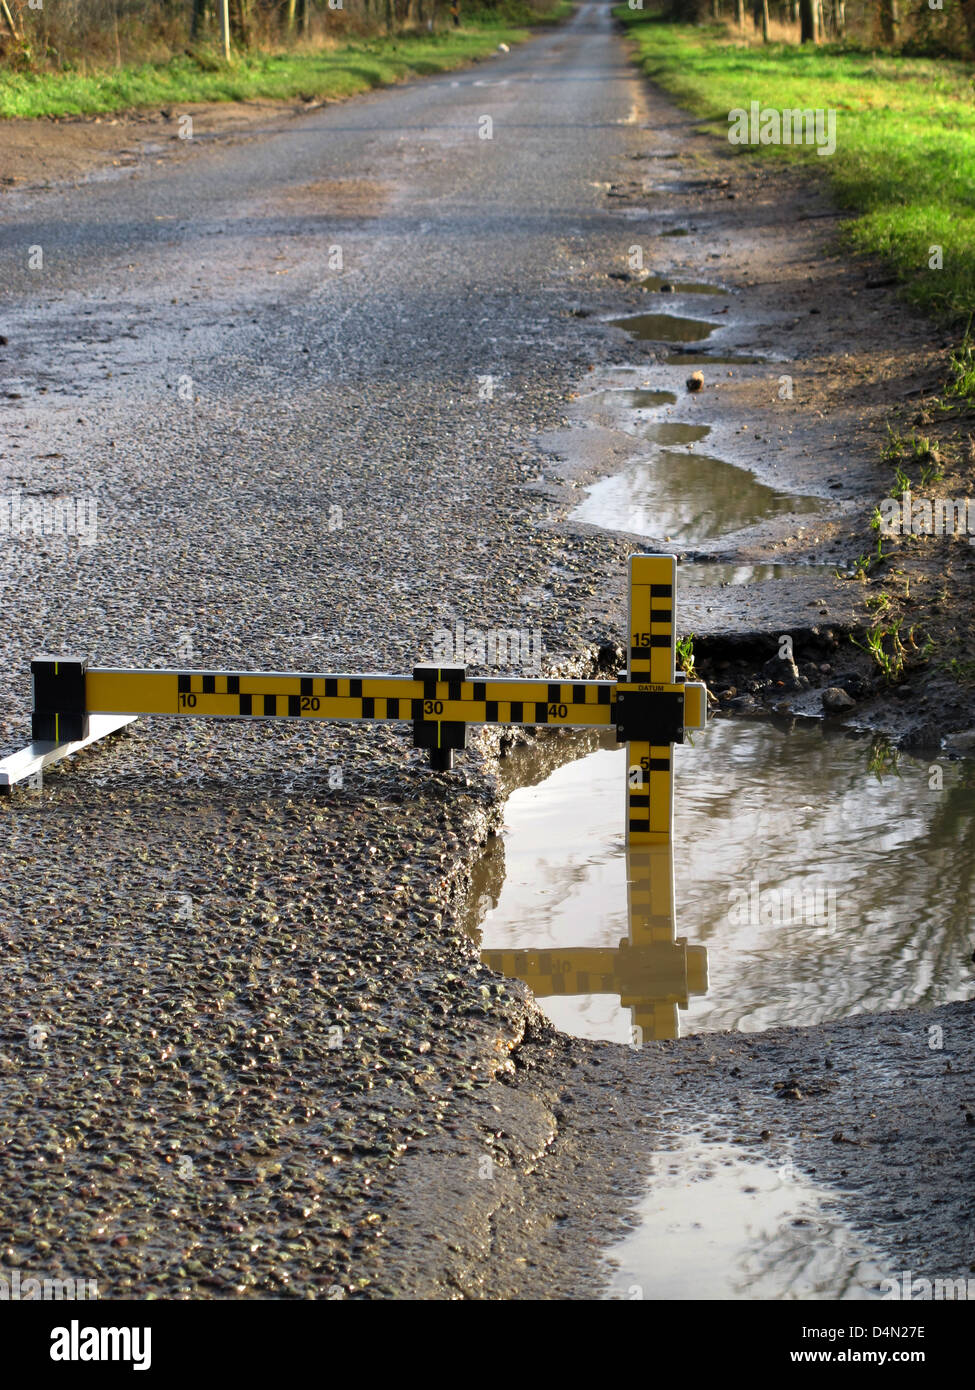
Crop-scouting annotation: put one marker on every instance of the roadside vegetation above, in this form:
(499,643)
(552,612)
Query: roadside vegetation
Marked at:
(905,137)
(333,53)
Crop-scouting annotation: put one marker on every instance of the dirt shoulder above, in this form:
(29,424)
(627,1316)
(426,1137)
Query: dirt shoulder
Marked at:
(57,149)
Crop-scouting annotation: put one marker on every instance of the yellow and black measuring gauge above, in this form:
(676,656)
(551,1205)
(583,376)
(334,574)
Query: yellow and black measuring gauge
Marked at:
(75,704)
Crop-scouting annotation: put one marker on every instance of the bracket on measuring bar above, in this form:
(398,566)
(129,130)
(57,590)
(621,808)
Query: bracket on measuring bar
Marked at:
(442,737)
(650,707)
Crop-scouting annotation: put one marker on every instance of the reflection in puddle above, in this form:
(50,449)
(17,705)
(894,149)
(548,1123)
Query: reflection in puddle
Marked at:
(818,889)
(626,398)
(709,575)
(673,432)
(716,1224)
(686,498)
(650,971)
(705,359)
(665,328)
(656,283)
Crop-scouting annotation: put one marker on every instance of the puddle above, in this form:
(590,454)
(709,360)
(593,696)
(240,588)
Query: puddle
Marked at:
(688,499)
(704,359)
(664,328)
(655,284)
(673,432)
(719,1225)
(627,398)
(713,575)
(818,888)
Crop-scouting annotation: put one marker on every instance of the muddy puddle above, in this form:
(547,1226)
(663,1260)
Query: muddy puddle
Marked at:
(630,398)
(662,284)
(813,878)
(687,498)
(664,328)
(674,432)
(720,575)
(713,359)
(717,1224)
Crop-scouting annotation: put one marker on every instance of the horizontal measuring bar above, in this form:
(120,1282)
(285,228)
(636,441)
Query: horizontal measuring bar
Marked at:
(283,695)
(260,694)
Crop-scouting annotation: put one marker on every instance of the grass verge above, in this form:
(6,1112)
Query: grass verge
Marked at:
(352,66)
(905,130)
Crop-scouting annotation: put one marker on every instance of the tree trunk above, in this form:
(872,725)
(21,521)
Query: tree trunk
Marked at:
(765,33)
(809,21)
(967,8)
(240,25)
(198,23)
(740,15)
(888,20)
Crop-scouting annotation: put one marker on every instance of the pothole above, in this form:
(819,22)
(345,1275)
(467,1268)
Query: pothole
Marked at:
(704,359)
(686,499)
(627,398)
(716,1224)
(657,284)
(664,328)
(820,881)
(716,574)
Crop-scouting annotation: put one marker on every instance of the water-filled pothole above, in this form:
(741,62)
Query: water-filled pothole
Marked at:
(674,432)
(688,499)
(630,398)
(657,283)
(820,882)
(707,359)
(714,575)
(716,1224)
(664,328)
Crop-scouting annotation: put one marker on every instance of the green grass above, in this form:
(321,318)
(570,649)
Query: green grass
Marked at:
(905,129)
(685,656)
(355,67)
(963,372)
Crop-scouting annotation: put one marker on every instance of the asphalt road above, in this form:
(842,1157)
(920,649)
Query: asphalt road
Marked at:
(301,374)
